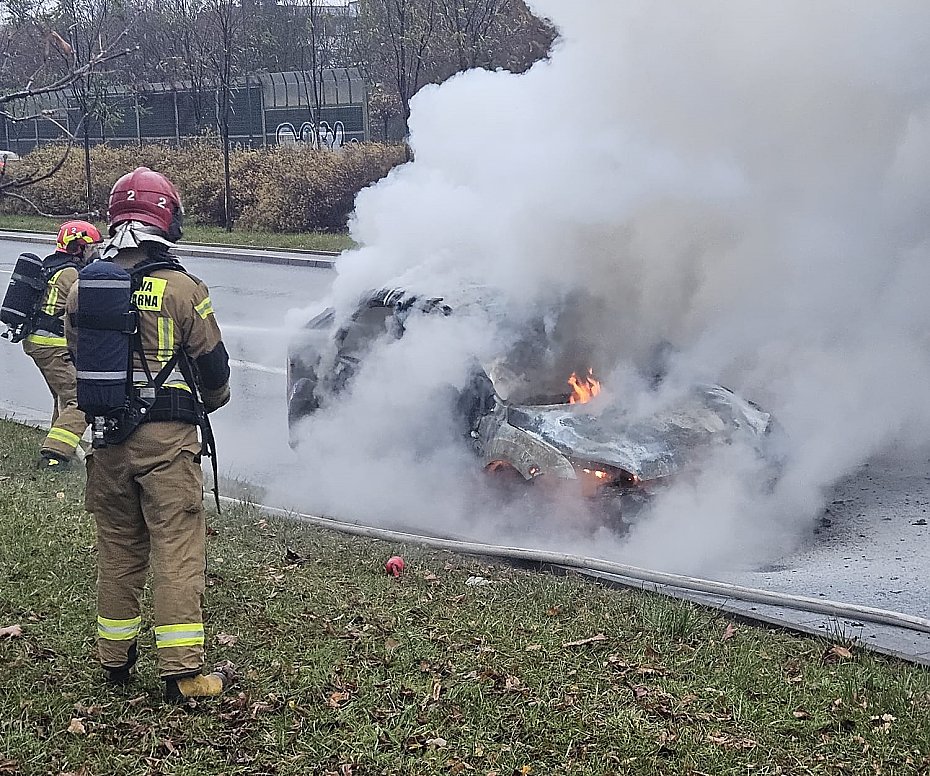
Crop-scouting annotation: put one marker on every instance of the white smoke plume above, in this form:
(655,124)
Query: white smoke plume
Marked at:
(744,179)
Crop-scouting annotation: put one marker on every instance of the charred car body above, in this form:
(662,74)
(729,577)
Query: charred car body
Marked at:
(550,433)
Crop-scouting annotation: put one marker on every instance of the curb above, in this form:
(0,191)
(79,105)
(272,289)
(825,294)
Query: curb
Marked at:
(294,258)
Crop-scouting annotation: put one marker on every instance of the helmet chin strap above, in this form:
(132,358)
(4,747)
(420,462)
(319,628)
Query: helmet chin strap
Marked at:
(131,234)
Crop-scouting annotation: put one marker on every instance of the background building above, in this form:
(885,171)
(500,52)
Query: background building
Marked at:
(266,109)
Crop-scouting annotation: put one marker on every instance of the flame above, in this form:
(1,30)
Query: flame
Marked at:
(583,390)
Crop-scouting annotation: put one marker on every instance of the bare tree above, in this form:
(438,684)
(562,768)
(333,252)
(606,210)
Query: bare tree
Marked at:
(188,53)
(404,44)
(517,39)
(396,36)
(312,37)
(55,69)
(48,47)
(90,24)
(383,106)
(468,24)
(225,23)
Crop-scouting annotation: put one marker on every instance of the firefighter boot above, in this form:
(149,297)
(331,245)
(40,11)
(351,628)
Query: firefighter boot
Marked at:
(52,462)
(121,675)
(178,689)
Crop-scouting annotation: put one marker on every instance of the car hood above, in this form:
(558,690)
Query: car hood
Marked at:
(650,446)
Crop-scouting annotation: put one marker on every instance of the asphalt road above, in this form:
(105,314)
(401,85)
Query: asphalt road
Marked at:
(871,548)
(251,301)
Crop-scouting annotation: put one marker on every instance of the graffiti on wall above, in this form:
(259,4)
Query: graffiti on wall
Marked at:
(326,136)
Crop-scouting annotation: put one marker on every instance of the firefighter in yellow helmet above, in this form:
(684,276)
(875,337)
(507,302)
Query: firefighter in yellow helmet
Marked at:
(145,485)
(77,245)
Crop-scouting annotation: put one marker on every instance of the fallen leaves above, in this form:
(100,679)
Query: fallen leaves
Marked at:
(582,642)
(729,633)
(837,654)
(11,632)
(226,639)
(731,742)
(77,726)
(433,695)
(512,683)
(294,558)
(625,668)
(882,721)
(94,710)
(242,708)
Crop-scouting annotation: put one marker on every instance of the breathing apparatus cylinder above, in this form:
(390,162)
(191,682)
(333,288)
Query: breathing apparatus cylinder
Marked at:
(23,296)
(105,322)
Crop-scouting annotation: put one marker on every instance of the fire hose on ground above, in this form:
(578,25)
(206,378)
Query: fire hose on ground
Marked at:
(835,609)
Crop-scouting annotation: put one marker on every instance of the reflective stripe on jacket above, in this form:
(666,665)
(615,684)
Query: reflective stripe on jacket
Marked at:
(53,305)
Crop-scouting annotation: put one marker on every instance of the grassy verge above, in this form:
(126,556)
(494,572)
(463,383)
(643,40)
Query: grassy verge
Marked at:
(211,235)
(347,671)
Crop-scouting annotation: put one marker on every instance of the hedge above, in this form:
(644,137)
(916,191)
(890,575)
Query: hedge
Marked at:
(280,189)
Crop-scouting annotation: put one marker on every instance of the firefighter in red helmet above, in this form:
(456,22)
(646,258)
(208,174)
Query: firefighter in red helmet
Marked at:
(77,245)
(157,520)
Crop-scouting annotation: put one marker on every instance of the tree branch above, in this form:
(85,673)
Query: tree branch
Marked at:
(66,80)
(39,211)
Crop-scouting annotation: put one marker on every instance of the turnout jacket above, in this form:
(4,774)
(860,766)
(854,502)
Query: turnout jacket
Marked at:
(175,313)
(54,299)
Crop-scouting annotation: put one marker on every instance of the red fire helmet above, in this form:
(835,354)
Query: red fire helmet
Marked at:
(74,235)
(148,197)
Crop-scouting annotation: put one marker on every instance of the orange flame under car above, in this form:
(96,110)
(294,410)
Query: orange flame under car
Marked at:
(583,390)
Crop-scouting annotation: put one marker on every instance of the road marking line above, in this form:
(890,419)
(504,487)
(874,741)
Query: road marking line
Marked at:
(237,327)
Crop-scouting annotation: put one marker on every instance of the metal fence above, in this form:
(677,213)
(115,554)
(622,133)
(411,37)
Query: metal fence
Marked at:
(267,109)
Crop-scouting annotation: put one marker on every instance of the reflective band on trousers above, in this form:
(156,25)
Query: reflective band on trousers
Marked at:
(190,635)
(62,435)
(118,630)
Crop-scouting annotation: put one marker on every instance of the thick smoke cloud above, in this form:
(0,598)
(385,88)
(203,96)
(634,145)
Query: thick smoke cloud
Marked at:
(746,180)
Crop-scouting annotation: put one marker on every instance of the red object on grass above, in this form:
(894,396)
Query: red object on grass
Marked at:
(394,565)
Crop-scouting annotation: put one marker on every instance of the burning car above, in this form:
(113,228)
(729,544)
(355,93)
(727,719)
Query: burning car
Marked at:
(532,431)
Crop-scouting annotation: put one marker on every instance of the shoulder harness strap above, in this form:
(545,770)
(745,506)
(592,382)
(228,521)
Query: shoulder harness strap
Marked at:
(181,360)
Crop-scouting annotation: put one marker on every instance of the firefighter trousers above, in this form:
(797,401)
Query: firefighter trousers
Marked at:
(68,422)
(146,496)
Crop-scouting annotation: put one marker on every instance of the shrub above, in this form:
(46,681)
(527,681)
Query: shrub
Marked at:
(283,189)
